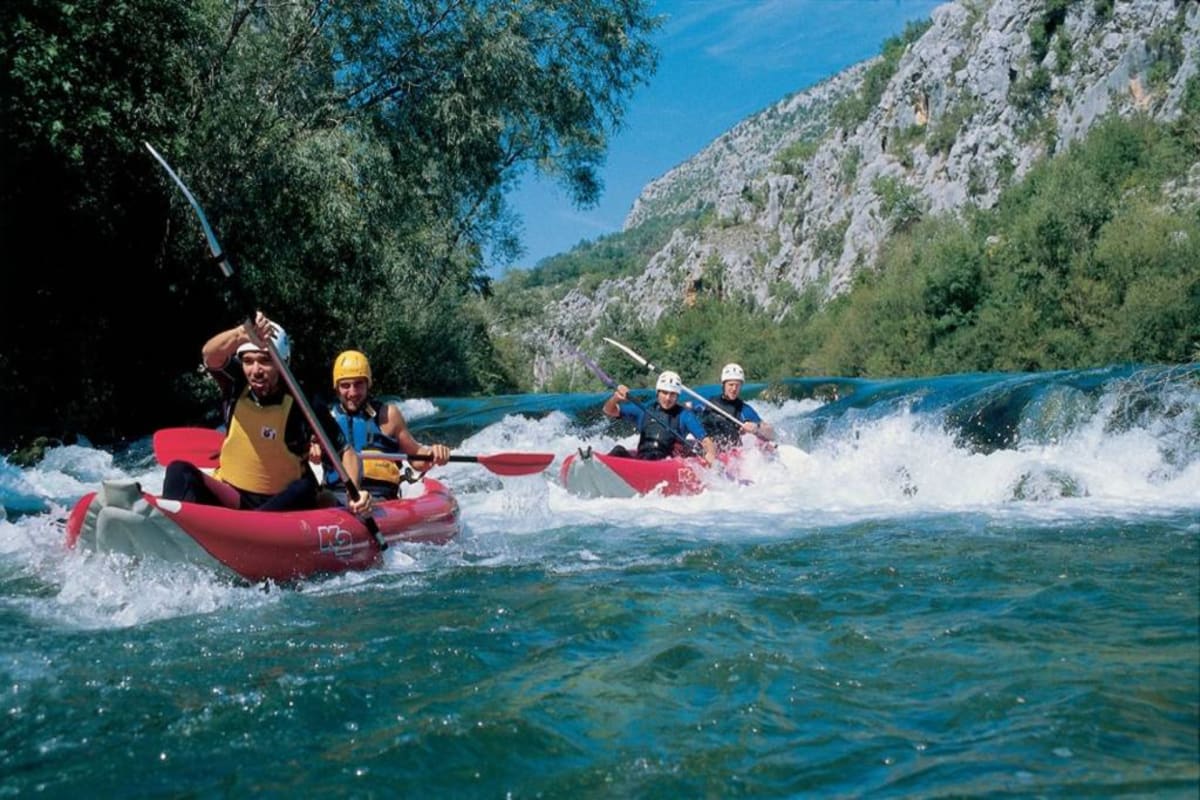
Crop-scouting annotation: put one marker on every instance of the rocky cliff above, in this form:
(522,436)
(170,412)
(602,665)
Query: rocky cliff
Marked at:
(801,196)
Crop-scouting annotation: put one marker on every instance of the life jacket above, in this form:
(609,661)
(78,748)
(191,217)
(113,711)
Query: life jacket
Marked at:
(725,434)
(255,456)
(661,432)
(363,433)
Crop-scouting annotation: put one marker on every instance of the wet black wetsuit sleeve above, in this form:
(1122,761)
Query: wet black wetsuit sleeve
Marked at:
(231,380)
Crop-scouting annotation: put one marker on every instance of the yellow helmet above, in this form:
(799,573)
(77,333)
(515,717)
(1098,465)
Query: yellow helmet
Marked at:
(351,364)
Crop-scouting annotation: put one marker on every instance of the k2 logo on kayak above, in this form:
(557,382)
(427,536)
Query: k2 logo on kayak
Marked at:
(335,539)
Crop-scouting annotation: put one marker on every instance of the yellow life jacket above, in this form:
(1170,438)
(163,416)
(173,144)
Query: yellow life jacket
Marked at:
(378,469)
(254,456)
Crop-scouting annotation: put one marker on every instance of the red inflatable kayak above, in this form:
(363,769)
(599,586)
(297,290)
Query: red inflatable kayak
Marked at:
(256,545)
(590,474)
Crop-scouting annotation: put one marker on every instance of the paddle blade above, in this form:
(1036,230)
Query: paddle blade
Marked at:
(200,446)
(499,463)
(515,463)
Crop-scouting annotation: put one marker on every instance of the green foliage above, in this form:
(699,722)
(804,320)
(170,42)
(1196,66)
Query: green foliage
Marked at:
(943,132)
(1085,269)
(612,256)
(1029,92)
(79,93)
(831,240)
(712,277)
(353,159)
(756,194)
(1063,53)
(697,341)
(1187,126)
(851,111)
(901,141)
(848,169)
(1166,51)
(791,159)
(1190,104)
(1006,168)
(1080,264)
(1146,262)
(1044,26)
(899,202)
(977,184)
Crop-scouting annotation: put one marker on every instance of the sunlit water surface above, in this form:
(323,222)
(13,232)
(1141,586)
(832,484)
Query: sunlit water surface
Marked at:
(981,585)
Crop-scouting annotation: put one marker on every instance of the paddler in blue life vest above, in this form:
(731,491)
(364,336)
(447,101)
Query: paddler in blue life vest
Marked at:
(725,433)
(264,458)
(664,427)
(373,426)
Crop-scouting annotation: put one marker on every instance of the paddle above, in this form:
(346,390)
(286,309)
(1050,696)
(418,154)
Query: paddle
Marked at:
(222,260)
(201,446)
(594,368)
(508,464)
(654,370)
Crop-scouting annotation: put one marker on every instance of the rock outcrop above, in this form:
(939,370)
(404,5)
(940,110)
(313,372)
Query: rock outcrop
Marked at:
(989,89)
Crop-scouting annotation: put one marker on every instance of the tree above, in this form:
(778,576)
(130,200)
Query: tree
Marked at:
(353,157)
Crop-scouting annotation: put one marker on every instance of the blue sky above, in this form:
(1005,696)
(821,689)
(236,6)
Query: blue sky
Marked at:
(719,62)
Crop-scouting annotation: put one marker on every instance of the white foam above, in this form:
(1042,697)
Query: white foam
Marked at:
(417,408)
(1100,459)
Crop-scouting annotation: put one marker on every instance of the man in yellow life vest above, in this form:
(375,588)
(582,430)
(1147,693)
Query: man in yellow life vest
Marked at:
(264,458)
(374,426)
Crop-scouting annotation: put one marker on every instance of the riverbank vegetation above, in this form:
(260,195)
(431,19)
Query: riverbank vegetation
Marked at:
(354,161)
(1092,258)
(352,157)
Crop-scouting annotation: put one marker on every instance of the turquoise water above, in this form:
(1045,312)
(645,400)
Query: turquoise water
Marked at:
(975,586)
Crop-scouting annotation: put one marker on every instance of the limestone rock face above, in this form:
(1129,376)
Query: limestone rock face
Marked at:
(988,90)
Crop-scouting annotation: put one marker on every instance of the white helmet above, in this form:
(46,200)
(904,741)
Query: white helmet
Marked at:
(282,344)
(733,372)
(669,382)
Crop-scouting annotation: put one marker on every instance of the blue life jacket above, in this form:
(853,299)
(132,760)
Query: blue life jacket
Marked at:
(362,431)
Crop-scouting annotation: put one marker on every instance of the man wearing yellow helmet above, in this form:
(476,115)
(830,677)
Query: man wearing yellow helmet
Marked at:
(374,426)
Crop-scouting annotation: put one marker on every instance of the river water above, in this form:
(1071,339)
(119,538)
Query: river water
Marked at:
(966,586)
